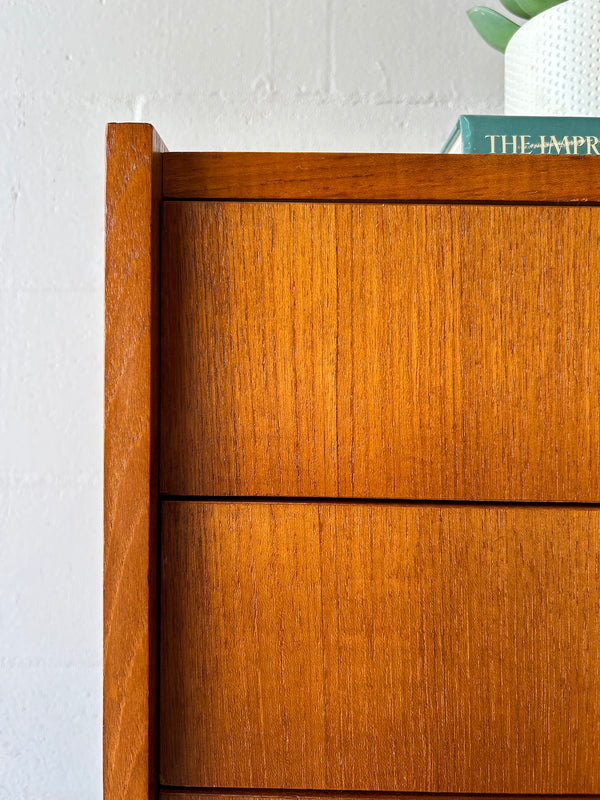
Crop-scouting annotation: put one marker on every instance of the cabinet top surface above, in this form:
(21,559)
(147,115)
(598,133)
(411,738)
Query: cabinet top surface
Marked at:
(385,177)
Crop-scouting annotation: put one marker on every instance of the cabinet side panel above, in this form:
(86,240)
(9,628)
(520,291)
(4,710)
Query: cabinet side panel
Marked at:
(133,193)
(380,647)
(381,351)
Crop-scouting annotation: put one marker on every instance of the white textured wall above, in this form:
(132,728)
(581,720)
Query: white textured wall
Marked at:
(355,75)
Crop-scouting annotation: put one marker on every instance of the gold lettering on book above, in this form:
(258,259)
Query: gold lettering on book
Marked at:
(522,144)
(492,137)
(515,143)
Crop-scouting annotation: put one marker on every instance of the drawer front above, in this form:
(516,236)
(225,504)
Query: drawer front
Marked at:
(386,351)
(382,647)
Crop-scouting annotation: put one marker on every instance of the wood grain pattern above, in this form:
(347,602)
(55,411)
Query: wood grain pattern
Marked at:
(131,462)
(389,647)
(383,176)
(207,794)
(210,794)
(399,351)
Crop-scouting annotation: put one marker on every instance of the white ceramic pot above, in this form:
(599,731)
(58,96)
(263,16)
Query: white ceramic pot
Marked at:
(552,64)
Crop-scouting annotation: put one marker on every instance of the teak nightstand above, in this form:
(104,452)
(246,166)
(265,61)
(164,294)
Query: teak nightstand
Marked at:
(352,474)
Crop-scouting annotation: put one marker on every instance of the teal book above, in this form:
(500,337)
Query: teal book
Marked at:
(573,136)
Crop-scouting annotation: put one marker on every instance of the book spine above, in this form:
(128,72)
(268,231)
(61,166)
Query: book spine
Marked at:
(530,135)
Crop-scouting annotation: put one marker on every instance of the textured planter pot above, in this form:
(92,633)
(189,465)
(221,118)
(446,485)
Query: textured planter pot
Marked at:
(552,64)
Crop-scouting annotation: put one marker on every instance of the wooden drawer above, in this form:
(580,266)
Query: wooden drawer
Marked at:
(380,350)
(383,647)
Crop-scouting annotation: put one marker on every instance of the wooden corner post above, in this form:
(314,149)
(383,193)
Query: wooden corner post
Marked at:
(133,194)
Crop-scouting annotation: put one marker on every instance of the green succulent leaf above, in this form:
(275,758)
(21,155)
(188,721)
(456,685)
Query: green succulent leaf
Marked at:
(496,29)
(514,6)
(533,7)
